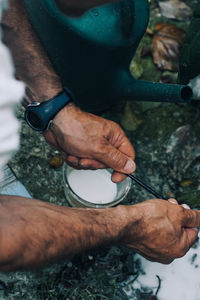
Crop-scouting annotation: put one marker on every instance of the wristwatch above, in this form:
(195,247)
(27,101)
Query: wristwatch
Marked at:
(40,115)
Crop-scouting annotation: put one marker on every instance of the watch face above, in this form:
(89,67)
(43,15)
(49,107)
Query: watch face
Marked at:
(33,119)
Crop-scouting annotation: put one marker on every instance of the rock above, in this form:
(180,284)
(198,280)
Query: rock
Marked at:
(182,150)
(175,9)
(129,120)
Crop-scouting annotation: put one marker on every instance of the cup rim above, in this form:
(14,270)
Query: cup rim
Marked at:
(91,204)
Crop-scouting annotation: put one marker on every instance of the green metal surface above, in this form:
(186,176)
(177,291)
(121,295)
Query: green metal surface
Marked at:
(92,53)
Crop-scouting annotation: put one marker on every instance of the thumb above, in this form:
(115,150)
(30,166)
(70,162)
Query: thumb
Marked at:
(116,160)
(191,218)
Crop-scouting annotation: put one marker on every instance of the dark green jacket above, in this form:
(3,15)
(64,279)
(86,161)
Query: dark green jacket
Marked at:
(190,55)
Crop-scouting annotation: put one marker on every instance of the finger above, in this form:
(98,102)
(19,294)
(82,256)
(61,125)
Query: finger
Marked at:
(118,177)
(126,147)
(71,161)
(173,201)
(191,218)
(87,163)
(185,206)
(115,159)
(73,165)
(189,237)
(158,258)
(82,163)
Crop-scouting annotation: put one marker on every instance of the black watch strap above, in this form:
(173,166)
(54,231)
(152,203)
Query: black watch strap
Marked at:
(39,115)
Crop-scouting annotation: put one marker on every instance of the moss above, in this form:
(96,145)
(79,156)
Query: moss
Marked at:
(161,121)
(192,198)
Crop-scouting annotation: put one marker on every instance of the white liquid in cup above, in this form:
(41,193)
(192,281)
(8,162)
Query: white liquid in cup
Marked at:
(93,186)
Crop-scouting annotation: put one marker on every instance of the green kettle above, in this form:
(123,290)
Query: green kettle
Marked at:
(92,53)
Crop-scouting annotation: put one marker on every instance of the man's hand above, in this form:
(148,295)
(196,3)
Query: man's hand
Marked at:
(35,233)
(165,231)
(87,141)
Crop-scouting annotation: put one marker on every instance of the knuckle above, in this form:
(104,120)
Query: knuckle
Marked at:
(182,212)
(181,252)
(99,148)
(116,127)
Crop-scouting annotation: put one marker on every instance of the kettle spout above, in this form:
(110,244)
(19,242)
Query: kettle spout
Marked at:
(138,90)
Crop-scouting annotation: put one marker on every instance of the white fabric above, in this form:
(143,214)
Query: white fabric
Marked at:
(11,91)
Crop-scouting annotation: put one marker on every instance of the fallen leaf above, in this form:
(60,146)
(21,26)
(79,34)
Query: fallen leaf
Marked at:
(56,162)
(149,31)
(175,9)
(186,183)
(166,46)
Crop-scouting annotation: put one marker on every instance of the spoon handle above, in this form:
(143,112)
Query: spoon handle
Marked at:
(146,187)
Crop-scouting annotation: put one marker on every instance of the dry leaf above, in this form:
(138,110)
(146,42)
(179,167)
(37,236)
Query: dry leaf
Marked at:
(166,45)
(56,162)
(186,183)
(175,9)
(149,31)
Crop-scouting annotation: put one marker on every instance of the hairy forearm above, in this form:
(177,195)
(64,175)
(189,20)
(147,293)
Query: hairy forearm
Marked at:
(31,61)
(35,233)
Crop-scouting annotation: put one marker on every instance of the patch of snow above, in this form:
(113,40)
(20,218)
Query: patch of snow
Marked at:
(179,280)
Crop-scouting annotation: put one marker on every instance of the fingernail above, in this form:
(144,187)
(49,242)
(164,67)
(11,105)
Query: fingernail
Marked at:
(185,206)
(173,201)
(129,166)
(82,164)
(195,228)
(116,178)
